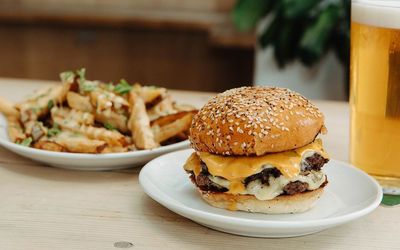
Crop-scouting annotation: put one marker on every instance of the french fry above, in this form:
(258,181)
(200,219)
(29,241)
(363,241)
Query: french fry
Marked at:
(164,120)
(62,93)
(110,109)
(151,95)
(71,118)
(112,137)
(28,126)
(117,121)
(38,130)
(106,100)
(115,149)
(132,147)
(40,104)
(49,145)
(163,108)
(80,122)
(76,143)
(139,123)
(184,107)
(79,102)
(177,138)
(172,129)
(15,131)
(7,108)
(182,136)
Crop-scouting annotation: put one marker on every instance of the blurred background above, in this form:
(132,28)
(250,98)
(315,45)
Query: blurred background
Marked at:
(208,45)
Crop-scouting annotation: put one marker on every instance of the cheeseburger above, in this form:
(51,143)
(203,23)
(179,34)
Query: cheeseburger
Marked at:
(256,150)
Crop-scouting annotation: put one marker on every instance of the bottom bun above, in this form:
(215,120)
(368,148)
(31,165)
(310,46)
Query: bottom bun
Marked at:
(283,204)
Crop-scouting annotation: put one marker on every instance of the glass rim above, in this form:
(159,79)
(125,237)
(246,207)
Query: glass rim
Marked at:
(378,3)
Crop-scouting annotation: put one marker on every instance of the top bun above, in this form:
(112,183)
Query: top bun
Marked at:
(255,121)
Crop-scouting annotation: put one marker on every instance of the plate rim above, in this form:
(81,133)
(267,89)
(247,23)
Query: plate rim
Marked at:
(120,155)
(6,143)
(182,209)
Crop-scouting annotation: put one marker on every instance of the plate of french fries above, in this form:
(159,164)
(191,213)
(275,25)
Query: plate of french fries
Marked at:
(93,125)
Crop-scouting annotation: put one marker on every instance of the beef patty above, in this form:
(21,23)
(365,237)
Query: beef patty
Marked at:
(314,162)
(204,183)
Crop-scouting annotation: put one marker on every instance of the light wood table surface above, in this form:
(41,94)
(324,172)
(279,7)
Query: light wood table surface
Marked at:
(48,208)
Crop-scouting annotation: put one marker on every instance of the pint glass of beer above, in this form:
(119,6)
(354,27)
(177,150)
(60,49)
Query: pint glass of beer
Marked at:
(375,90)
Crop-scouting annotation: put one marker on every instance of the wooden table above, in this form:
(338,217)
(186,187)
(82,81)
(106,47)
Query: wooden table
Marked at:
(47,208)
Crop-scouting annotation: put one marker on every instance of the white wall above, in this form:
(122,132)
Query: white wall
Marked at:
(323,81)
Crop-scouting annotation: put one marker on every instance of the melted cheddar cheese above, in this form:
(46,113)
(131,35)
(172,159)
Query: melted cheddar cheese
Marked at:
(193,164)
(236,169)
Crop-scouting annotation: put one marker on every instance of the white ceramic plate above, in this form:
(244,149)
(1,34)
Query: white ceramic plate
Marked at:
(79,161)
(349,195)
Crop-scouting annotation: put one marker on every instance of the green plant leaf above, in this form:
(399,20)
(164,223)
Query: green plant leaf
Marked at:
(287,41)
(270,33)
(391,200)
(247,13)
(341,44)
(315,39)
(303,29)
(298,8)
(340,40)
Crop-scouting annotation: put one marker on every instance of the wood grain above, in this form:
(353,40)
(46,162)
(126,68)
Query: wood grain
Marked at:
(181,44)
(48,208)
(172,58)
(146,13)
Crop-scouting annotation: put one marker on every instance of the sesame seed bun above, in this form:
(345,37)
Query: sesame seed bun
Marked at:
(255,121)
(282,204)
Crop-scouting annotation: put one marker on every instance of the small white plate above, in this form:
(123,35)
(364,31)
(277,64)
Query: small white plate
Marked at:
(349,195)
(78,161)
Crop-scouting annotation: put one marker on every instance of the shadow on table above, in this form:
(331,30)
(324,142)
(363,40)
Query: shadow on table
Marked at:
(171,225)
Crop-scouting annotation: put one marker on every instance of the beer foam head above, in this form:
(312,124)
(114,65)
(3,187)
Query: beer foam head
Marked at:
(380,13)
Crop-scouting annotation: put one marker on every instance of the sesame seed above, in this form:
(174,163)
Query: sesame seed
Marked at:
(254,109)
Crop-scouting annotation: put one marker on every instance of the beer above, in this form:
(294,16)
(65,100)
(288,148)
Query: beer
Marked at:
(375,90)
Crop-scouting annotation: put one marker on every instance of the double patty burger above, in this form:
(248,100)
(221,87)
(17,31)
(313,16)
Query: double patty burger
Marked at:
(257,151)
